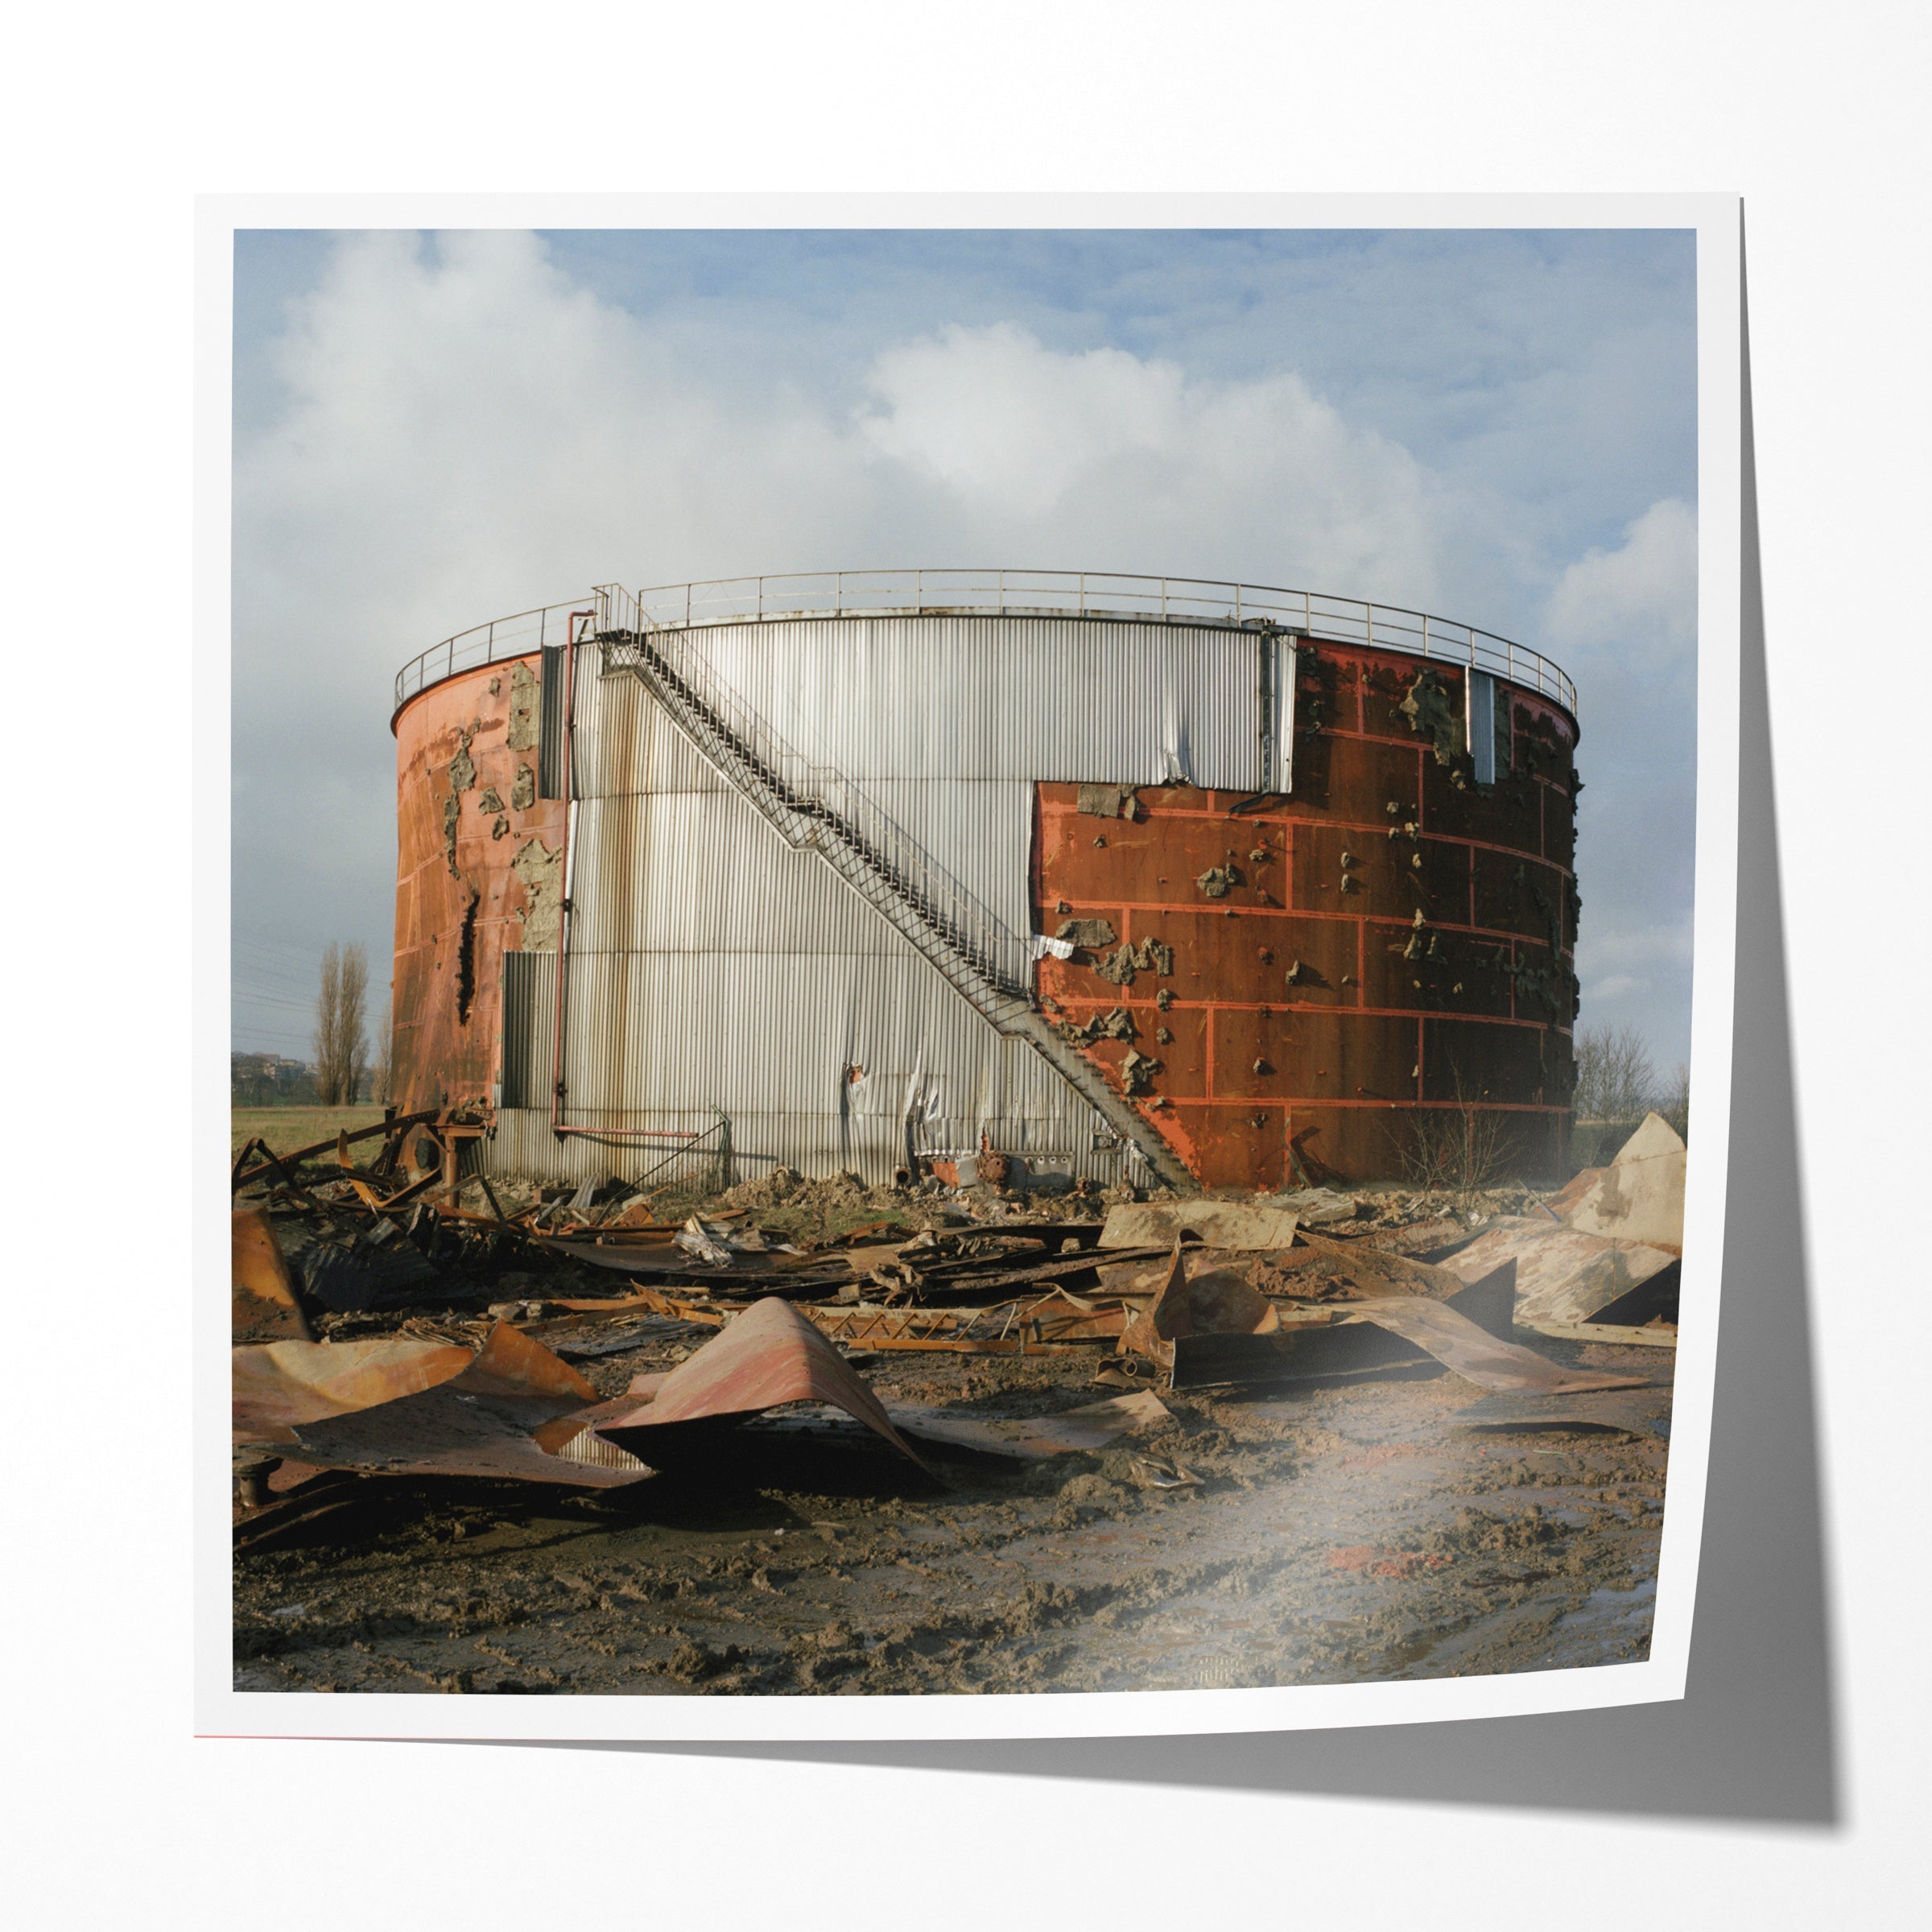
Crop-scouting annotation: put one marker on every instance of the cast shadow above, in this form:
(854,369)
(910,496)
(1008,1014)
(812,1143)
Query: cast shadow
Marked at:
(1754,1739)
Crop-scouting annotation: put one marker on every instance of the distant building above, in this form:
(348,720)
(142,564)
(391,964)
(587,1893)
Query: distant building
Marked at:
(266,1080)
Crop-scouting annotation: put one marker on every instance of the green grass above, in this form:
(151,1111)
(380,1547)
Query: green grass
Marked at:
(286,1129)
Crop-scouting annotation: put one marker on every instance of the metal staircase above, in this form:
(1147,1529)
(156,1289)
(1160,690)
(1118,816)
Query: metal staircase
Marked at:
(813,806)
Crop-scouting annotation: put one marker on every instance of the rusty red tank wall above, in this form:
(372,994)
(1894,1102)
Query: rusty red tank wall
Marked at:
(1367,1057)
(460,903)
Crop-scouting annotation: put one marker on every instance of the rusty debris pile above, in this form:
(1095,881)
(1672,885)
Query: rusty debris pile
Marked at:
(392,1319)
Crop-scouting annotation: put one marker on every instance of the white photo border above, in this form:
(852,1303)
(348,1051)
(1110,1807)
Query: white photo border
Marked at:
(221,1710)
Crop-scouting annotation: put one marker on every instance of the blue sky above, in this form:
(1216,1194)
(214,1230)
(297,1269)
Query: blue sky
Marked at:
(1497,425)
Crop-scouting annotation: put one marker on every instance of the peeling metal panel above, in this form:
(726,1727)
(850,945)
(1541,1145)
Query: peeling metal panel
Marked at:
(1385,949)
(1278,687)
(460,901)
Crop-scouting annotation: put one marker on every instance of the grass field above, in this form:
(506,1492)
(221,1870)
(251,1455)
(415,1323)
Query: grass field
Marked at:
(286,1129)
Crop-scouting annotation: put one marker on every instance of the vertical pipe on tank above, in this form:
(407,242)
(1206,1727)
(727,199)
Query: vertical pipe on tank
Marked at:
(556,1050)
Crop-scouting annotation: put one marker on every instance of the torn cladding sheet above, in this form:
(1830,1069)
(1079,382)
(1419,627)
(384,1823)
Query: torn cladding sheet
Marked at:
(1490,1303)
(483,1419)
(263,1305)
(767,1357)
(276,1386)
(1214,1223)
(1639,1197)
(1190,1300)
(1460,1345)
(374,1267)
(1563,1274)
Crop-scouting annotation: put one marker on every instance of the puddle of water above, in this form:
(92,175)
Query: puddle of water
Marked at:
(1611,1607)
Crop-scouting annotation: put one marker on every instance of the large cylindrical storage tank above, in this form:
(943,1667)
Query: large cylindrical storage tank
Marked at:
(1121,878)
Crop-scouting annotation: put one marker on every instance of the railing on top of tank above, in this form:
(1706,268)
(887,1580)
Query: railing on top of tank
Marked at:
(1009,592)
(1103,594)
(512,637)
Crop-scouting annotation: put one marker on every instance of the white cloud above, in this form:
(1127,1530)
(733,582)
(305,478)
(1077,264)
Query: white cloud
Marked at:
(1624,621)
(1640,596)
(1132,464)
(465,431)
(474,432)
(1004,422)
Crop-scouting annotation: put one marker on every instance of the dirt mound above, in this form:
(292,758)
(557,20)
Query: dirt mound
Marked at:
(785,1187)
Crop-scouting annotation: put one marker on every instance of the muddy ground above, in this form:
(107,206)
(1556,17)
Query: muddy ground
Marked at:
(1334,1534)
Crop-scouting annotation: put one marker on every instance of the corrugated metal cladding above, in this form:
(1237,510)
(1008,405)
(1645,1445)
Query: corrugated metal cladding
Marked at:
(647,795)
(682,871)
(523,1145)
(529,993)
(1015,698)
(549,727)
(844,1037)
(1478,723)
(714,967)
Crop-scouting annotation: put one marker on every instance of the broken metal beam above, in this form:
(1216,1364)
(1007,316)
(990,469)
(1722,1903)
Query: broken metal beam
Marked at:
(333,1144)
(1062,1264)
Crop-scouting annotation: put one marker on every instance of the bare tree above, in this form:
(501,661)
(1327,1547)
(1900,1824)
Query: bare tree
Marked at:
(1461,1149)
(1615,1077)
(355,1020)
(1673,1104)
(341,1024)
(328,1022)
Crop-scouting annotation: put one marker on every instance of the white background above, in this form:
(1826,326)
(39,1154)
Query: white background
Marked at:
(1728,1813)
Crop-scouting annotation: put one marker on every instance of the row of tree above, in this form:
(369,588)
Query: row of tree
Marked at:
(1616,1080)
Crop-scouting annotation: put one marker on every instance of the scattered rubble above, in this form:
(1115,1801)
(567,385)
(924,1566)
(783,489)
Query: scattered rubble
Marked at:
(1218,1224)
(396,1323)
(1320,1207)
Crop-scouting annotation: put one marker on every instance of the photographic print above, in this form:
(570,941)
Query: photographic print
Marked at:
(979,969)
